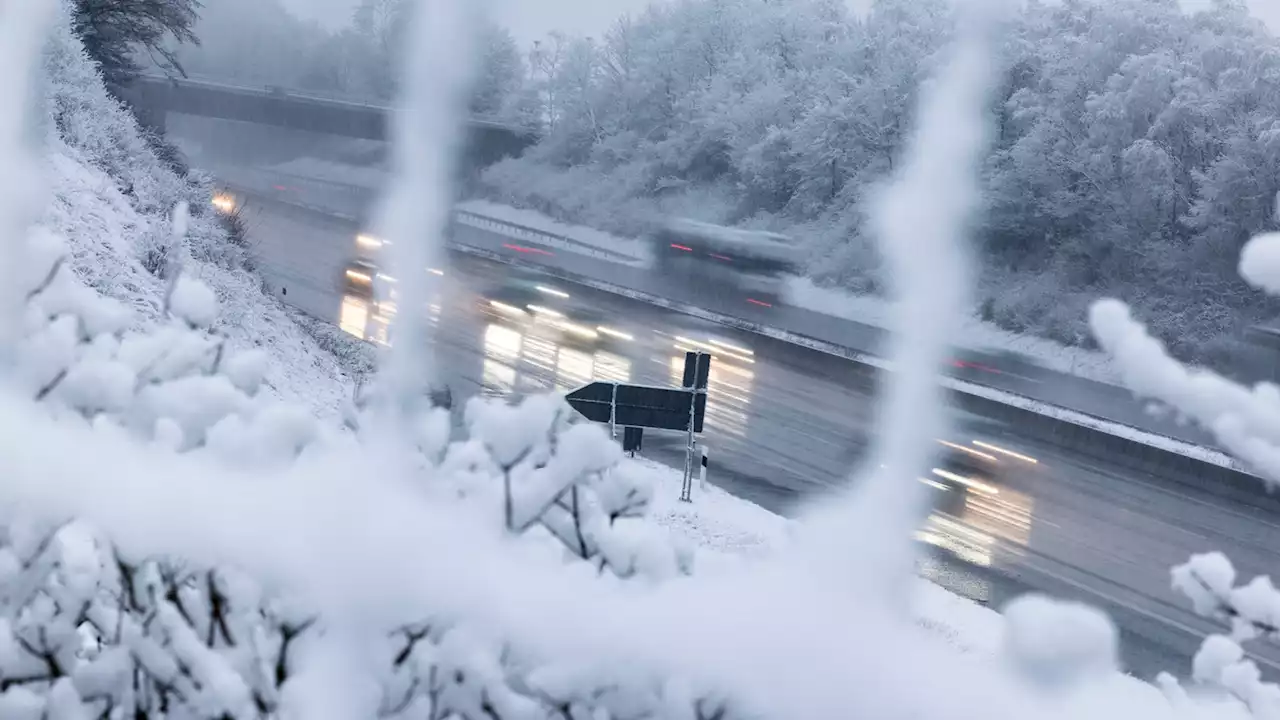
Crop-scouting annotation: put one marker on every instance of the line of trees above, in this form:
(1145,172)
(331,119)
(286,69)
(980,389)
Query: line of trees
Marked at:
(1138,146)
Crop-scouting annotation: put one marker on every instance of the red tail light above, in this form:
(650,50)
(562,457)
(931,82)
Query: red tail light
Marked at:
(761,303)
(721,257)
(974,366)
(681,247)
(522,249)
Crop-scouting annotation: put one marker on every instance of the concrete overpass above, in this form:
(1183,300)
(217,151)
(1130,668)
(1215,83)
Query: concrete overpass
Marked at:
(153,98)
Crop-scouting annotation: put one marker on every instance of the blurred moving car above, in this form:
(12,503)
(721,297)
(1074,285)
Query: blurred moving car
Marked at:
(532,300)
(360,279)
(979,508)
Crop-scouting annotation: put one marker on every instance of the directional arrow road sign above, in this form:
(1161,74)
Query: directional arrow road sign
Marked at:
(639,406)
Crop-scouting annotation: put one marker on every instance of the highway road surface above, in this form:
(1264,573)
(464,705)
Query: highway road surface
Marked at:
(786,423)
(341,176)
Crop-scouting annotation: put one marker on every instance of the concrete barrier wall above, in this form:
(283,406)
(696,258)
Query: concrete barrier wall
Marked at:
(1160,464)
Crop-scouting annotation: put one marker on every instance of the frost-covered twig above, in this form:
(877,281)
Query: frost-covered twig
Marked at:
(1251,610)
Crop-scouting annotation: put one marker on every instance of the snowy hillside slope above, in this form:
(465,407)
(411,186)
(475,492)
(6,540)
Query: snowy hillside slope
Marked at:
(111,195)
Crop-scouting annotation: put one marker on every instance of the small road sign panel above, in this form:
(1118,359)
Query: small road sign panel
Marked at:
(638,406)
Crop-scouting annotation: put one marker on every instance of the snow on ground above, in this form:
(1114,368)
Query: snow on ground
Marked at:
(719,524)
(98,221)
(716,520)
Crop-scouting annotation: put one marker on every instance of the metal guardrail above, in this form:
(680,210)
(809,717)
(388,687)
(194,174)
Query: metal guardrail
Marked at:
(518,231)
(515,231)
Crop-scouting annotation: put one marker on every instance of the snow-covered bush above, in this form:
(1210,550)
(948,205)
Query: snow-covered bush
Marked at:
(90,626)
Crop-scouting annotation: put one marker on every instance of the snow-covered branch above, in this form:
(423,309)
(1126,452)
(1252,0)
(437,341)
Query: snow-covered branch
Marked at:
(1252,611)
(1246,421)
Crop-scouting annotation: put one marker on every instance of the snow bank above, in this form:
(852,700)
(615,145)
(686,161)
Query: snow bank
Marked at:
(715,521)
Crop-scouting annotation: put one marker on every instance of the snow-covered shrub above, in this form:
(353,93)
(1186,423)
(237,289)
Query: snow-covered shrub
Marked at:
(156,250)
(87,118)
(89,628)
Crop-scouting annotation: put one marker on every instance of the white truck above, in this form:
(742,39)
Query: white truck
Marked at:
(752,262)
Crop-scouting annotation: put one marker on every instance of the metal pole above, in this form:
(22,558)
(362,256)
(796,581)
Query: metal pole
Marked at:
(702,474)
(686,488)
(613,413)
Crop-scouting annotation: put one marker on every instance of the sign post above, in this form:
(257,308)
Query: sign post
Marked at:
(613,413)
(697,372)
(636,407)
(632,440)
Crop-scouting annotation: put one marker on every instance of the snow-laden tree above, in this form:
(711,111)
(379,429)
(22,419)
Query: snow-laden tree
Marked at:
(500,74)
(116,31)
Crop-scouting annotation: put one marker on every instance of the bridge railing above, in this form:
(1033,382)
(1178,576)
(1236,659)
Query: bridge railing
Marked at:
(352,102)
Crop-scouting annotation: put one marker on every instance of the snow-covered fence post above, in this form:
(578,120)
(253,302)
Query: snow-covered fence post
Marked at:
(22,34)
(427,132)
(921,220)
